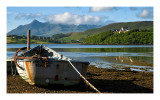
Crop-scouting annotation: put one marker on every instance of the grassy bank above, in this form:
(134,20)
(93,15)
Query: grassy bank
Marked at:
(105,80)
(11,40)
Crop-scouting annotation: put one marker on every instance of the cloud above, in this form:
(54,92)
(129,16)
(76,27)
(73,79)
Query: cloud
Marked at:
(69,18)
(28,16)
(33,16)
(66,18)
(145,13)
(98,9)
(20,15)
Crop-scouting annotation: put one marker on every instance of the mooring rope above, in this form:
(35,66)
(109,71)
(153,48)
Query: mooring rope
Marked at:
(87,82)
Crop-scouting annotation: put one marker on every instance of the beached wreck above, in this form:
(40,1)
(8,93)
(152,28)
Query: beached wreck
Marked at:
(44,66)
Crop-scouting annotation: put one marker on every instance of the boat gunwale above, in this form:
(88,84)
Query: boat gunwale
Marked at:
(54,60)
(31,58)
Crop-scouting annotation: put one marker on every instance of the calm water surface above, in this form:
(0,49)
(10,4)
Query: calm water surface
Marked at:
(135,57)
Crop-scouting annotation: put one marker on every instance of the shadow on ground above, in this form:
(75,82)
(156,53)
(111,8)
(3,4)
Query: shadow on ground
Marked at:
(118,86)
(105,86)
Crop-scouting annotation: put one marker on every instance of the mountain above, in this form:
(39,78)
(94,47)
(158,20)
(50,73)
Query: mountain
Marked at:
(46,29)
(80,36)
(74,33)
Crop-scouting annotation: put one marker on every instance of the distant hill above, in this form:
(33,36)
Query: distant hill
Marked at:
(132,25)
(80,36)
(74,33)
(46,29)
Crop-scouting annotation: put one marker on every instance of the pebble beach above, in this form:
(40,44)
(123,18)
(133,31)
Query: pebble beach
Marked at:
(105,80)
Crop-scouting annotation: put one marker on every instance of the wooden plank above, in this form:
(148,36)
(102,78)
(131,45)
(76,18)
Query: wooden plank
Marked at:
(28,40)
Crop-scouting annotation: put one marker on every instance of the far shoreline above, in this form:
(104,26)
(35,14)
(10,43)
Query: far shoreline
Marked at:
(81,43)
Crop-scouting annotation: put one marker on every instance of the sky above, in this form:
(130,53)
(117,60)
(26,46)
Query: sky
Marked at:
(76,15)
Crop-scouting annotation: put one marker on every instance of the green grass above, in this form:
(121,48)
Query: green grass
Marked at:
(79,37)
(10,40)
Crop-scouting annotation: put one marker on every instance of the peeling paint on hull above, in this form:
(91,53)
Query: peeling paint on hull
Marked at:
(57,72)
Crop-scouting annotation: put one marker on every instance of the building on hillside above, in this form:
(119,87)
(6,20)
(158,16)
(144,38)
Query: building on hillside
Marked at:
(123,29)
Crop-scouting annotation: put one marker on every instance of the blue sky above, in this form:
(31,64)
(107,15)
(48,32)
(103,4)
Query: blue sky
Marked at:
(76,15)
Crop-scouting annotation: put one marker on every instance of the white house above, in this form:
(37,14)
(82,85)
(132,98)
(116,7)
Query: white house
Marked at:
(124,29)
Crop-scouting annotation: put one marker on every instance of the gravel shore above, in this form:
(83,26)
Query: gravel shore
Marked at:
(105,80)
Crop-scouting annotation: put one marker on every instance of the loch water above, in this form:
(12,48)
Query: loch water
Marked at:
(134,57)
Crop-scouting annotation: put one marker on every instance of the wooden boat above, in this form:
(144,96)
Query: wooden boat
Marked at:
(44,66)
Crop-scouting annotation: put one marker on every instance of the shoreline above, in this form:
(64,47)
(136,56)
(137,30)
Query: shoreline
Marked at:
(105,80)
(114,44)
(82,43)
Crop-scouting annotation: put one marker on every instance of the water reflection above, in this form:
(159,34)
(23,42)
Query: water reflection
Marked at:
(139,58)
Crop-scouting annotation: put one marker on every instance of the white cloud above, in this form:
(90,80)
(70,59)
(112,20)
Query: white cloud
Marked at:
(69,18)
(97,9)
(32,16)
(145,14)
(65,18)
(20,15)
(28,16)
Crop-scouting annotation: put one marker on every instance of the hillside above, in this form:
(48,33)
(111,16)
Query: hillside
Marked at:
(134,36)
(80,36)
(46,29)
(132,25)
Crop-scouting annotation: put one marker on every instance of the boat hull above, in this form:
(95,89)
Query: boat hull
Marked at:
(42,72)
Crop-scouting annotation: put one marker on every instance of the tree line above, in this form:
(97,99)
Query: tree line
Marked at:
(134,36)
